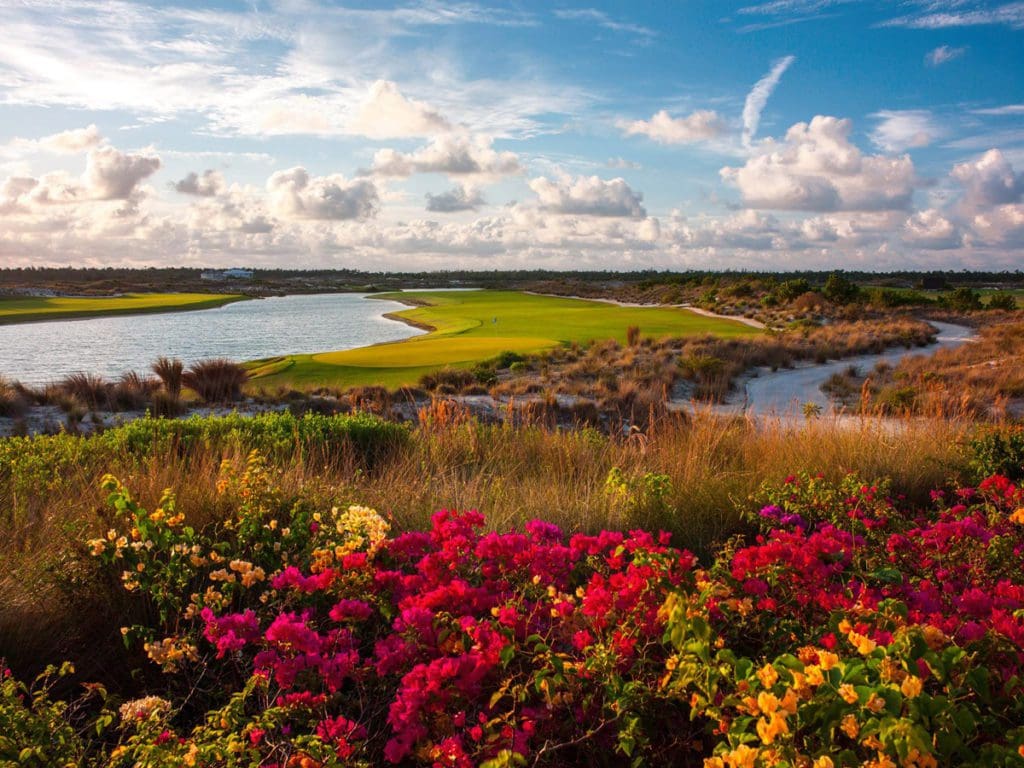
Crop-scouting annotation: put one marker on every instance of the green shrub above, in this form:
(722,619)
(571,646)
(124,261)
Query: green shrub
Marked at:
(1002,300)
(508,359)
(963,299)
(998,451)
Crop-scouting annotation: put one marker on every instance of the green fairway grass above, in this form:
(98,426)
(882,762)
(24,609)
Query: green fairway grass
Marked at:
(469,327)
(26,309)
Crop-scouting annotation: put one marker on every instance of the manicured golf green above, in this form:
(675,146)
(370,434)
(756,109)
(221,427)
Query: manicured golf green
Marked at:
(472,326)
(27,309)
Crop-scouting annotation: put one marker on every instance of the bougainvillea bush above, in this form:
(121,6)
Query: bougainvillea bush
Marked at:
(844,630)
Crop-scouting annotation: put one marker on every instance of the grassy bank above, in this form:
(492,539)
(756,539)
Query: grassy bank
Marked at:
(27,309)
(691,478)
(471,326)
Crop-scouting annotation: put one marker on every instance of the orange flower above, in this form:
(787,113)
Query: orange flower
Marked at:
(814,676)
(827,660)
(771,729)
(741,757)
(850,726)
(911,687)
(767,675)
(864,645)
(848,694)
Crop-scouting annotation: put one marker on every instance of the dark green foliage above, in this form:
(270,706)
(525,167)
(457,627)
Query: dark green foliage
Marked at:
(791,289)
(1002,300)
(998,451)
(840,290)
(963,300)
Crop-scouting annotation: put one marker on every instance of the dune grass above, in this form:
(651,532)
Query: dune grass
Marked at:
(467,327)
(26,309)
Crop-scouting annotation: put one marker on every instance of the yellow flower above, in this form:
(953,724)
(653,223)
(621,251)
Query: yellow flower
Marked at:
(864,645)
(824,762)
(789,701)
(771,729)
(911,687)
(915,759)
(827,660)
(849,726)
(251,577)
(934,637)
(814,676)
(767,675)
(848,694)
(97,547)
(141,709)
(741,757)
(714,762)
(767,703)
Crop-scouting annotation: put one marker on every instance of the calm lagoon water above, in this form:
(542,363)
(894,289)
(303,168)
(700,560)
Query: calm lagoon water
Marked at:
(38,353)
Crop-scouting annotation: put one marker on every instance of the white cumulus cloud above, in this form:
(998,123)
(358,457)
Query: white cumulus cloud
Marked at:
(453,154)
(989,180)
(208,184)
(817,168)
(588,196)
(698,126)
(294,193)
(387,114)
(460,198)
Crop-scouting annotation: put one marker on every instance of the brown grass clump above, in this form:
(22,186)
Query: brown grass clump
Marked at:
(88,389)
(171,374)
(216,381)
(13,403)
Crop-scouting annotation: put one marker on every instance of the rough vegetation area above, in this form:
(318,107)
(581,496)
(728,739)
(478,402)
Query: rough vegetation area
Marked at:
(777,301)
(295,599)
(984,379)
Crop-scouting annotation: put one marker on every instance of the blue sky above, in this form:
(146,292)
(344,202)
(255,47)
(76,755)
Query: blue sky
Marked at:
(430,135)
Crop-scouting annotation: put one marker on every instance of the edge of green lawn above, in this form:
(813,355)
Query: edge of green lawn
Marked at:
(42,316)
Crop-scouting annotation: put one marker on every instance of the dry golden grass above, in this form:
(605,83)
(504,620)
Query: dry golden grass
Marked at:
(984,378)
(606,371)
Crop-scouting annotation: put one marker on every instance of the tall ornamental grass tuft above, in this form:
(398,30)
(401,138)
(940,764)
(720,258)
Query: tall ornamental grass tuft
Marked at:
(216,381)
